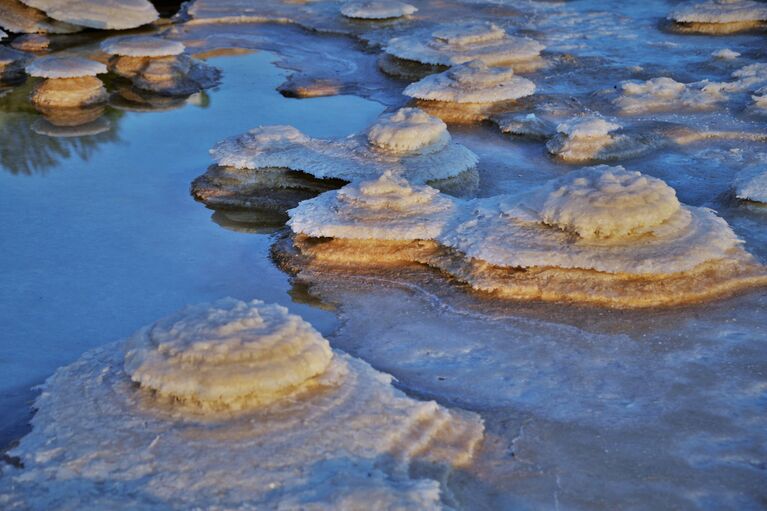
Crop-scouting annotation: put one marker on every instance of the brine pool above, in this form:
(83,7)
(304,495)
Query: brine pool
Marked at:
(584,408)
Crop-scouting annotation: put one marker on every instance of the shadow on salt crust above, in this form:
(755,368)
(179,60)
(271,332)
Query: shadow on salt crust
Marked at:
(600,235)
(179,419)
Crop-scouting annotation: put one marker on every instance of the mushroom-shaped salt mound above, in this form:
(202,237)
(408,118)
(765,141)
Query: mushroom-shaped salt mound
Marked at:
(378,222)
(409,139)
(590,138)
(158,65)
(751,184)
(69,82)
(600,235)
(469,92)
(102,14)
(178,420)
(21,19)
(377,9)
(458,43)
(719,16)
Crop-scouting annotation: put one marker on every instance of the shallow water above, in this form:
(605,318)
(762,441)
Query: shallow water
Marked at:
(585,408)
(100,241)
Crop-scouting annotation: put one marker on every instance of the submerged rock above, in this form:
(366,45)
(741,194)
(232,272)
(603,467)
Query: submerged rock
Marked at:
(458,43)
(377,9)
(158,65)
(102,14)
(409,139)
(719,16)
(469,92)
(69,82)
(178,420)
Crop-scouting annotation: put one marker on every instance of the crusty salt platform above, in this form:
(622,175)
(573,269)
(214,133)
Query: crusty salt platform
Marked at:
(663,93)
(409,138)
(20,18)
(751,184)
(70,82)
(469,92)
(377,9)
(102,14)
(719,16)
(601,235)
(452,44)
(178,420)
(590,138)
(158,65)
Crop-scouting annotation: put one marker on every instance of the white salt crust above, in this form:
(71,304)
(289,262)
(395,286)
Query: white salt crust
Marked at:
(751,184)
(725,54)
(19,18)
(102,14)
(461,42)
(719,11)
(587,127)
(100,442)
(598,218)
(377,9)
(410,140)
(472,82)
(142,46)
(229,354)
(65,67)
(760,98)
(387,208)
(590,138)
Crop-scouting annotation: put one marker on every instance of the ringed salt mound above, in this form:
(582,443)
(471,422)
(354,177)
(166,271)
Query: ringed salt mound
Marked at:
(381,221)
(22,19)
(69,82)
(600,235)
(590,138)
(158,65)
(469,92)
(719,16)
(458,43)
(409,138)
(751,185)
(102,14)
(235,405)
(377,9)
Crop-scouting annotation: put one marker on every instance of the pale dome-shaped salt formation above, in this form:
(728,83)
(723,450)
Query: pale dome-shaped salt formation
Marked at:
(719,16)
(377,9)
(22,19)
(725,54)
(663,93)
(591,138)
(70,82)
(101,441)
(458,43)
(102,14)
(408,139)
(158,65)
(751,184)
(381,221)
(602,235)
(469,91)
(231,355)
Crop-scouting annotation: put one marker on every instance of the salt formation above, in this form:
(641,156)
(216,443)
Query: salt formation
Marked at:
(38,43)
(663,94)
(377,9)
(158,65)
(601,235)
(458,43)
(22,19)
(12,66)
(3,35)
(751,184)
(719,16)
(760,98)
(385,220)
(69,82)
(236,405)
(725,54)
(409,139)
(103,14)
(526,125)
(469,92)
(590,138)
